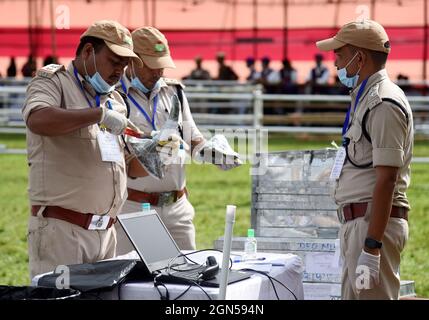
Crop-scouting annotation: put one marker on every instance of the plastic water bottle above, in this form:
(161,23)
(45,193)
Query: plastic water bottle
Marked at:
(250,247)
(145,207)
(181,155)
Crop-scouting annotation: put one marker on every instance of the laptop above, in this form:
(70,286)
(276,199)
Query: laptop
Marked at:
(160,254)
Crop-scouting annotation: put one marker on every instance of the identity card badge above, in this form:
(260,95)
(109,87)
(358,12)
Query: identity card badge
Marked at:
(109,147)
(340,157)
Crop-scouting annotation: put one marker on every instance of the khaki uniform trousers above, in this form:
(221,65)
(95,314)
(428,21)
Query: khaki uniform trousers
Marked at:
(53,242)
(352,237)
(177,217)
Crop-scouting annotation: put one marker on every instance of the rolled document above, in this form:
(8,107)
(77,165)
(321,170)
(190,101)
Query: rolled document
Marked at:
(229,226)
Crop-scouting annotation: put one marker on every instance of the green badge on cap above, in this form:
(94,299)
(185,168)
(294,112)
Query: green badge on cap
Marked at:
(159,47)
(128,40)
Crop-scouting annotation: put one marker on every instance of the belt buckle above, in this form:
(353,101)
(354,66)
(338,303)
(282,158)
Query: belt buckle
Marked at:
(166,198)
(99,222)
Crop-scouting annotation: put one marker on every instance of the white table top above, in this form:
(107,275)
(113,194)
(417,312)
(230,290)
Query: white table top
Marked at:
(286,268)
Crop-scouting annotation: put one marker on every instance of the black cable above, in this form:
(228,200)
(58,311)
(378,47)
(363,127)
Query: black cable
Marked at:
(202,250)
(271,280)
(202,289)
(157,283)
(183,293)
(193,283)
(171,266)
(285,287)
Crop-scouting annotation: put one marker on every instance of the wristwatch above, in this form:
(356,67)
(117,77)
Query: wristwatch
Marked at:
(372,243)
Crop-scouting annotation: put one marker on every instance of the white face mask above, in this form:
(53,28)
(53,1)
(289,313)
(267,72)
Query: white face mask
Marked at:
(349,82)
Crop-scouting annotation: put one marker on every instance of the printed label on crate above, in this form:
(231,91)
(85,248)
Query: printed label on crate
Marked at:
(320,262)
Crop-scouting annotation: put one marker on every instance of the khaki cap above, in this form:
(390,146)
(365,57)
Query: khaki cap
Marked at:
(116,36)
(152,47)
(366,34)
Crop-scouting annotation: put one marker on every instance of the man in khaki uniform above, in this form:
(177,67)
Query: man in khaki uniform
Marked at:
(77,177)
(149,97)
(373,178)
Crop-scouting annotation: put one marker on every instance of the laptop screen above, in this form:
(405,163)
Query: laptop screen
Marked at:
(151,239)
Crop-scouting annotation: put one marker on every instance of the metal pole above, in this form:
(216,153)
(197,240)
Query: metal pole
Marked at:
(258,107)
(145,12)
(425,39)
(372,14)
(53,29)
(31,26)
(30,38)
(285,31)
(255,29)
(234,26)
(336,15)
(153,13)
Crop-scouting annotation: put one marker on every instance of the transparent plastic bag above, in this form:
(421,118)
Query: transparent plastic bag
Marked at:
(146,149)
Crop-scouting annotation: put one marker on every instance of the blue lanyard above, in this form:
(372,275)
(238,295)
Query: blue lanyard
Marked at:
(97,96)
(155,104)
(358,96)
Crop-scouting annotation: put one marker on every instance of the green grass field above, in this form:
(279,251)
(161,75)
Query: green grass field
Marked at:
(210,191)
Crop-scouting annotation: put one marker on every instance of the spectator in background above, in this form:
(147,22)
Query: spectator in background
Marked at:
(288,76)
(403,82)
(254,75)
(270,78)
(225,72)
(29,68)
(199,73)
(50,60)
(13,101)
(11,70)
(271,81)
(318,78)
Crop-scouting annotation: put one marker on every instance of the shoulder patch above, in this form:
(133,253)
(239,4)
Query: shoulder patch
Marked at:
(173,82)
(49,70)
(374,98)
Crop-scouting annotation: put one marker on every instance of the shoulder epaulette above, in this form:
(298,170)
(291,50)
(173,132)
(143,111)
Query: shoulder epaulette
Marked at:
(173,82)
(49,70)
(374,98)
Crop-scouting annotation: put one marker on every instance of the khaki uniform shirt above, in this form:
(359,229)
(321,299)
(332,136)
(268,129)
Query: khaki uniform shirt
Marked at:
(392,142)
(175,178)
(67,170)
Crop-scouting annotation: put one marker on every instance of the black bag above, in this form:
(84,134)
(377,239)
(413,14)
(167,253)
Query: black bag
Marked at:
(36,293)
(92,277)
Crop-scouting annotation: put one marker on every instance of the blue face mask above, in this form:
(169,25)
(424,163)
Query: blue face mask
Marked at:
(349,82)
(136,83)
(97,81)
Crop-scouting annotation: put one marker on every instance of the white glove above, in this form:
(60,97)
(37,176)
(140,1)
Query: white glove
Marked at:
(169,149)
(367,271)
(169,145)
(206,152)
(154,133)
(228,163)
(114,121)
